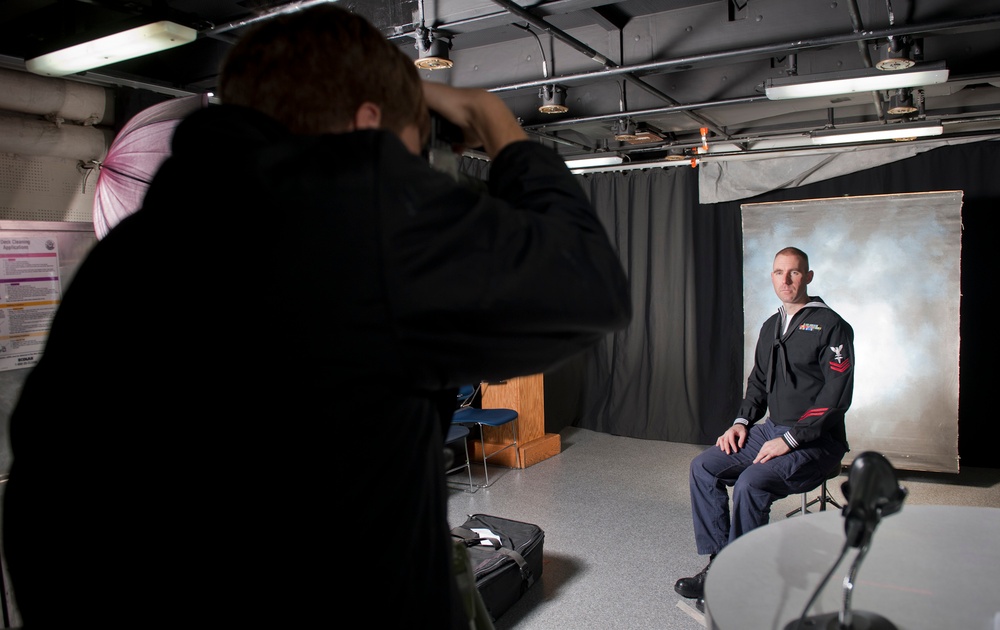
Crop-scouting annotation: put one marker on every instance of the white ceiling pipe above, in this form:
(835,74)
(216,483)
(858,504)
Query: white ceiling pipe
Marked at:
(56,99)
(21,135)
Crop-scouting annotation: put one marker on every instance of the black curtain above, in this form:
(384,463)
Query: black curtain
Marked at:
(669,375)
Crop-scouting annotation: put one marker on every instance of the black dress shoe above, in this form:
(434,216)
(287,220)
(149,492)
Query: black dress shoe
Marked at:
(693,587)
(700,604)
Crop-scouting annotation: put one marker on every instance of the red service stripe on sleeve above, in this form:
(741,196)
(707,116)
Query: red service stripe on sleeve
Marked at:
(841,367)
(814,413)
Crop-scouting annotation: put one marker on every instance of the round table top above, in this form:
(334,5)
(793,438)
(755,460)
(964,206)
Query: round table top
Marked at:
(929,567)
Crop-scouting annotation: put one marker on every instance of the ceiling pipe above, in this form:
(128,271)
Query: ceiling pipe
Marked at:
(283,9)
(855,13)
(567,122)
(970,121)
(579,46)
(41,138)
(541,49)
(562,141)
(56,99)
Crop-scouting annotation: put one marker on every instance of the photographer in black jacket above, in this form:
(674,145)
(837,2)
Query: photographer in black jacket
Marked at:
(239,413)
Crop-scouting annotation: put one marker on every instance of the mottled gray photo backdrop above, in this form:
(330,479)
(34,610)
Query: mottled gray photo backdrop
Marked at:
(890,265)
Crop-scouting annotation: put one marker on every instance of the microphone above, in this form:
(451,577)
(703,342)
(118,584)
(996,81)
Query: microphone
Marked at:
(872,492)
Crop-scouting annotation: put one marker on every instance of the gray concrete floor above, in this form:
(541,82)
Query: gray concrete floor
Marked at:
(617,521)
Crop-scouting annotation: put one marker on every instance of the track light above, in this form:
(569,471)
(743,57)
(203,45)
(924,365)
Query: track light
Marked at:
(891,131)
(896,55)
(135,42)
(432,51)
(901,103)
(676,154)
(867,80)
(624,130)
(553,99)
(645,135)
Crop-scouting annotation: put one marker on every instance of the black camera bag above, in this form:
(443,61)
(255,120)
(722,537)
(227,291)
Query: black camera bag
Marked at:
(506,558)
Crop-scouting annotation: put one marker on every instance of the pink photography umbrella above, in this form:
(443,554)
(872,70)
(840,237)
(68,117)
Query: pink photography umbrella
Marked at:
(134,157)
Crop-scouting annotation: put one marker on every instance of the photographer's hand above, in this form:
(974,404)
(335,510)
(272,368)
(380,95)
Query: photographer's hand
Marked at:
(483,118)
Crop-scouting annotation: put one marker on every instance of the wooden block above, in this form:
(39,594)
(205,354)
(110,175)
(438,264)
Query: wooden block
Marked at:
(541,449)
(531,453)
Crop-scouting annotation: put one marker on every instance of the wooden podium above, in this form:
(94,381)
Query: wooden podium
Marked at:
(525,395)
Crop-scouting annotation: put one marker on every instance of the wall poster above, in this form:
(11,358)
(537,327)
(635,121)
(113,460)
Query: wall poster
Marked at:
(29,295)
(890,265)
(37,260)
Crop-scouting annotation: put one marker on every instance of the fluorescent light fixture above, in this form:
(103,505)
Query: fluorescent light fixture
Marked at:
(867,80)
(605,160)
(899,131)
(129,44)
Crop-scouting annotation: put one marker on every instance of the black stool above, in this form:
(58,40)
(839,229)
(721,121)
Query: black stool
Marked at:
(824,495)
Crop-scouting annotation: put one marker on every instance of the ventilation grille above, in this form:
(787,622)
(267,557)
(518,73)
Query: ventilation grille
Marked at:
(45,189)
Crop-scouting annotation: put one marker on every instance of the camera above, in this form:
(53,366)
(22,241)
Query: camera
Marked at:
(444,133)
(439,151)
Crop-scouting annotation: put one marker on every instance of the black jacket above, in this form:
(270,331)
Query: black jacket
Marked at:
(238,415)
(803,378)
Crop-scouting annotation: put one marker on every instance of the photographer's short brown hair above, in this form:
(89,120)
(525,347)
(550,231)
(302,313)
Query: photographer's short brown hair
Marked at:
(312,69)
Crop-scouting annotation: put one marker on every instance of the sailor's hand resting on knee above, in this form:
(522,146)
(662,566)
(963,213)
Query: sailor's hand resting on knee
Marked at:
(770,450)
(732,440)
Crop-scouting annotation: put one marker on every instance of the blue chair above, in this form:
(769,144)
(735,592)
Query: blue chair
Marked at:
(466,414)
(465,395)
(458,433)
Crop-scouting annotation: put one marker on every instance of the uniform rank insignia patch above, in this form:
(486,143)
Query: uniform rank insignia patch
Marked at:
(840,363)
